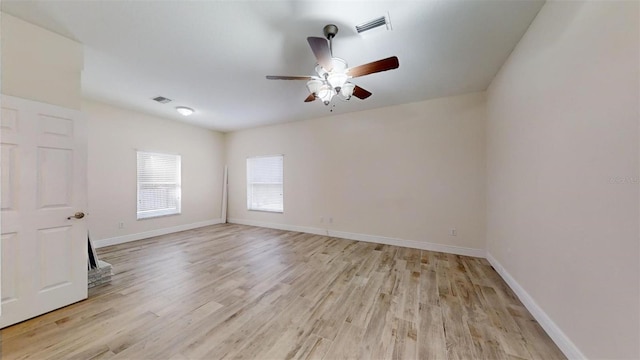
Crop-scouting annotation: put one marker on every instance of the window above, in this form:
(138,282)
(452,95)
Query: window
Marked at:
(159,188)
(264,183)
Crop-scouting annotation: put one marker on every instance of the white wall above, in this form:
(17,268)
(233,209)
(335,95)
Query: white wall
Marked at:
(114,136)
(40,65)
(409,172)
(562,172)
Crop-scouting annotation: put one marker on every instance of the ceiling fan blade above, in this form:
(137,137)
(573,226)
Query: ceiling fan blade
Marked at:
(360,93)
(310,98)
(374,67)
(277,77)
(320,48)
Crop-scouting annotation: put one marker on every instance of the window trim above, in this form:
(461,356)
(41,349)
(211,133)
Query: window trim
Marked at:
(247,183)
(152,214)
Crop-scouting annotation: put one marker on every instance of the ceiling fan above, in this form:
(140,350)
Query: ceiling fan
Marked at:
(333,73)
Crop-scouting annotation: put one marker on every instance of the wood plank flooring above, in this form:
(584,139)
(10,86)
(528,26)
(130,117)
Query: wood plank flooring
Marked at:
(240,292)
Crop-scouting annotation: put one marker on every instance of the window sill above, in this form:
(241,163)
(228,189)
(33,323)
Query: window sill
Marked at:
(157,216)
(269,211)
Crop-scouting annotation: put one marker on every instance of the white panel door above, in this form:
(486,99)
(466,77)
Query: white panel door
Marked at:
(44,246)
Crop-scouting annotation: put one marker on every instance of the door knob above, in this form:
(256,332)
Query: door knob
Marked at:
(78,215)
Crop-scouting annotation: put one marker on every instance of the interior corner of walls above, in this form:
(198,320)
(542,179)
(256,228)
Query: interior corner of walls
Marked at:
(157,232)
(553,330)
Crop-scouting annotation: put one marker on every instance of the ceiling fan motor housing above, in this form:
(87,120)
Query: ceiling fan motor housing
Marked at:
(330,31)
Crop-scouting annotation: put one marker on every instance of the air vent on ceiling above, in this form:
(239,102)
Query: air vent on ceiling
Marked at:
(162,99)
(369,25)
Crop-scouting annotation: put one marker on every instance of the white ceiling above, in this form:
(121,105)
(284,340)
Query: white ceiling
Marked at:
(213,55)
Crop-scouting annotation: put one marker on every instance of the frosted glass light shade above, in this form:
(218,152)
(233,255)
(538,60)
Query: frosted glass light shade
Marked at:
(313,86)
(337,80)
(347,90)
(339,65)
(325,93)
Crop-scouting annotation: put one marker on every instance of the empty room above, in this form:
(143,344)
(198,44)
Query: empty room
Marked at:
(436,179)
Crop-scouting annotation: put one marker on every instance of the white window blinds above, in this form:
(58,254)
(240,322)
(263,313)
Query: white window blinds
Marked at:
(159,188)
(264,183)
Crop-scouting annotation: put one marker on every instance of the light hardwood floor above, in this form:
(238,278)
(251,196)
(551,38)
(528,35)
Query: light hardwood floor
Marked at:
(233,291)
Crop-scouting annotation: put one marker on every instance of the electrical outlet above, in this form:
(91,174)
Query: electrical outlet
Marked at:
(120,225)
(453,232)
(330,220)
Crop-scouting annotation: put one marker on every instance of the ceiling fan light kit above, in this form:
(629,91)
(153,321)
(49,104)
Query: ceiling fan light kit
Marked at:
(333,73)
(333,81)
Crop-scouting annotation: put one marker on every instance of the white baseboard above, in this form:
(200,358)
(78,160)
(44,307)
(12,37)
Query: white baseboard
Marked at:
(269,225)
(414,244)
(557,335)
(147,234)
(368,238)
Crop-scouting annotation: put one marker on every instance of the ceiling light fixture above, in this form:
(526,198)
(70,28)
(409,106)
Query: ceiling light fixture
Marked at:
(333,75)
(184,111)
(332,82)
